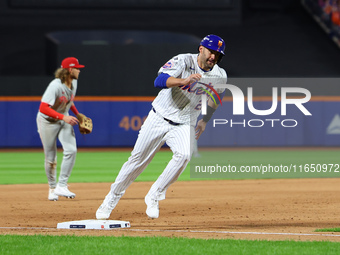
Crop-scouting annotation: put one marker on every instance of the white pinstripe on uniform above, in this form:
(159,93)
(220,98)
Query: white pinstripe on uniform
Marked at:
(180,105)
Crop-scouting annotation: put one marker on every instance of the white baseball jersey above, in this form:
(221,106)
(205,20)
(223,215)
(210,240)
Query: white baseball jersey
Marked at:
(178,104)
(182,104)
(59,96)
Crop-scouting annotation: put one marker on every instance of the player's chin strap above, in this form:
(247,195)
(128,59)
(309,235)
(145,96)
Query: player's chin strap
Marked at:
(210,112)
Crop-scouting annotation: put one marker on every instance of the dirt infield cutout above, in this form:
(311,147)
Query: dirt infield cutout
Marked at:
(285,209)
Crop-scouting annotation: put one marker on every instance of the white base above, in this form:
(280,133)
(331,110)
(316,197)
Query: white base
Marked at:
(93,224)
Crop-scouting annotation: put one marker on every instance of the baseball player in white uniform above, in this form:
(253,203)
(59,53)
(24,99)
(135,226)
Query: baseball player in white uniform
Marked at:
(54,121)
(171,120)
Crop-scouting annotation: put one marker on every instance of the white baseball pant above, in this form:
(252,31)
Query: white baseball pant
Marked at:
(49,132)
(154,133)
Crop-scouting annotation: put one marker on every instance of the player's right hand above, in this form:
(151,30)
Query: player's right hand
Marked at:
(70,120)
(192,78)
(199,128)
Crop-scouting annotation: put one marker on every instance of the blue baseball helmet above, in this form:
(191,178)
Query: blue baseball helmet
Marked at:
(214,42)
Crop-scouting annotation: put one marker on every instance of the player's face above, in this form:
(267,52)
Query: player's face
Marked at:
(208,58)
(74,73)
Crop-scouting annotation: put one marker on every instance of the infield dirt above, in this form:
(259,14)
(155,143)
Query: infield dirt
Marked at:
(285,209)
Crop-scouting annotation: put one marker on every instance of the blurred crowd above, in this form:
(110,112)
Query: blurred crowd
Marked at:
(328,12)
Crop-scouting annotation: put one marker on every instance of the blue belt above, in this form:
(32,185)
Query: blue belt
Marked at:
(170,121)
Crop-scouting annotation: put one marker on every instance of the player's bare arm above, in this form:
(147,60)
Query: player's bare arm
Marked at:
(176,82)
(201,124)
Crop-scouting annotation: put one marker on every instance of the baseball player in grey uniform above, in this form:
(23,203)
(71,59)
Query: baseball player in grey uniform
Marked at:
(171,120)
(54,121)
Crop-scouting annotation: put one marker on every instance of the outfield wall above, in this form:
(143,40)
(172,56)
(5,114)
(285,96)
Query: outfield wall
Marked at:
(118,119)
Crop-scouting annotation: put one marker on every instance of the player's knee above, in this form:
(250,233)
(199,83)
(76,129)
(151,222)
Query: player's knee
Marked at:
(182,157)
(70,152)
(51,163)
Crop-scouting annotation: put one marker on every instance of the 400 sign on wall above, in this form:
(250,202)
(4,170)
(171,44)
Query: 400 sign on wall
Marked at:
(132,123)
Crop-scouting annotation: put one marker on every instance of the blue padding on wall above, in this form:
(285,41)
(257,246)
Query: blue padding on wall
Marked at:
(18,123)
(117,124)
(3,124)
(310,131)
(107,116)
(18,126)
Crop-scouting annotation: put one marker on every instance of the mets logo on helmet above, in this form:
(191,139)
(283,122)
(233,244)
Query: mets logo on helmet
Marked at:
(220,43)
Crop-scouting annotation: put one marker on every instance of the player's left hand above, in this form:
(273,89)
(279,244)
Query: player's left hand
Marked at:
(200,128)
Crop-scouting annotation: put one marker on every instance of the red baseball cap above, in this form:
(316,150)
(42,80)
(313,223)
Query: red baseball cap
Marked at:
(71,62)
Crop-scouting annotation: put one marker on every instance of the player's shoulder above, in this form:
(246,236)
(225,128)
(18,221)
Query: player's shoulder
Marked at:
(219,71)
(55,83)
(179,57)
(184,59)
(188,59)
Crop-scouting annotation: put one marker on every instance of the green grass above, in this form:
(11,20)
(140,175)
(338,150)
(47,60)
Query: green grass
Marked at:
(273,164)
(328,230)
(95,166)
(99,166)
(60,245)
